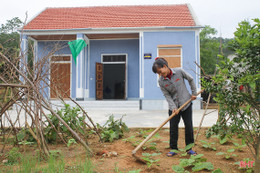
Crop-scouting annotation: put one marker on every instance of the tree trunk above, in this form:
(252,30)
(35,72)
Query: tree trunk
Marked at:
(257,160)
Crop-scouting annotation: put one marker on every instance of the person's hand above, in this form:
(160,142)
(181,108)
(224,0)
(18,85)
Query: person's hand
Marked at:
(175,111)
(193,97)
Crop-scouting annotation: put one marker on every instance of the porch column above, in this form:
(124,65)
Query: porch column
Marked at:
(86,69)
(80,72)
(141,65)
(23,55)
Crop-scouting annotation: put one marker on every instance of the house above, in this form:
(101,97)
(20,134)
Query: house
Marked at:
(122,44)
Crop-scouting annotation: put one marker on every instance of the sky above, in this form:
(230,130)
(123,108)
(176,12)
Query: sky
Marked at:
(223,15)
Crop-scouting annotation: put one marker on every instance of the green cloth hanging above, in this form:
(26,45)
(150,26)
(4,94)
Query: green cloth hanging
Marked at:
(76,47)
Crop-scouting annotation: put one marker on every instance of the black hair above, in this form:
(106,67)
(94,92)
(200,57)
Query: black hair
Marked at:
(159,63)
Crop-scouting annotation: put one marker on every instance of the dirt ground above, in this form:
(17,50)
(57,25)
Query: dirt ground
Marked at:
(125,162)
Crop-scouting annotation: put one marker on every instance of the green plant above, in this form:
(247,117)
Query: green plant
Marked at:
(113,129)
(238,146)
(144,133)
(151,144)
(208,145)
(228,154)
(133,140)
(236,87)
(28,164)
(149,160)
(183,152)
(196,162)
(25,135)
(217,171)
(25,143)
(86,166)
(71,142)
(116,170)
(135,171)
(54,164)
(71,115)
(13,156)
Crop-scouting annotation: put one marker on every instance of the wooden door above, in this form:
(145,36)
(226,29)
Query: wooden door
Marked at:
(60,80)
(99,81)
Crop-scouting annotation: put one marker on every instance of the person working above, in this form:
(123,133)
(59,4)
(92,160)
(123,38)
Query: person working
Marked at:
(172,84)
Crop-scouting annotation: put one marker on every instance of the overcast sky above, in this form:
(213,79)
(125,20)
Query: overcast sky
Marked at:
(224,15)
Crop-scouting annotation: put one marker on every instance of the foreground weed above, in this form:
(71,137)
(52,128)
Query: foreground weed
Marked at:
(228,154)
(183,152)
(13,156)
(55,165)
(239,147)
(118,171)
(196,162)
(113,129)
(28,164)
(71,142)
(208,145)
(86,166)
(149,160)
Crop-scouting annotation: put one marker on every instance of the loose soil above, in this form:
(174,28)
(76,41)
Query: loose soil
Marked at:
(125,162)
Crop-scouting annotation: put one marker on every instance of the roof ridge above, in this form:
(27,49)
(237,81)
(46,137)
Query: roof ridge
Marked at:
(145,5)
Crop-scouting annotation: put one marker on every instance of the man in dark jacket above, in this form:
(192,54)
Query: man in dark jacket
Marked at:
(172,84)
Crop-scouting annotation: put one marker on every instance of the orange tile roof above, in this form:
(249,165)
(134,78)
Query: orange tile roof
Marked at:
(112,17)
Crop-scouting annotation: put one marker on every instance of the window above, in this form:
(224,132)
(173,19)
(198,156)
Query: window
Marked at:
(171,53)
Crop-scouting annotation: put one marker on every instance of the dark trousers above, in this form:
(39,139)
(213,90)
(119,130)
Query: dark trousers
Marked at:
(174,127)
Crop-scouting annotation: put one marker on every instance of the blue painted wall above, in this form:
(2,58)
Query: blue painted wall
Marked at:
(61,47)
(151,40)
(130,47)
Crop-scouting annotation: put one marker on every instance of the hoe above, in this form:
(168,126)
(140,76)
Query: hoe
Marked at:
(157,129)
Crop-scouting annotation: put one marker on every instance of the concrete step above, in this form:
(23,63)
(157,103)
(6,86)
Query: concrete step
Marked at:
(104,105)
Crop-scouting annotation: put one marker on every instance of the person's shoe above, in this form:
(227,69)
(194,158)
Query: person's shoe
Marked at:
(171,153)
(191,152)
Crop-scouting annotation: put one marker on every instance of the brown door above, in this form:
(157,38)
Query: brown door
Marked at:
(99,81)
(60,78)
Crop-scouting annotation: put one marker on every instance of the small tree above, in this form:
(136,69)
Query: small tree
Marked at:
(236,86)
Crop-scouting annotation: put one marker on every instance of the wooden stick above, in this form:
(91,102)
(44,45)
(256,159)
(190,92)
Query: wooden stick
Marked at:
(158,128)
(204,114)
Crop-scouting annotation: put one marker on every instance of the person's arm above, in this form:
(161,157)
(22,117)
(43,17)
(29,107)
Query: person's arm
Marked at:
(191,82)
(169,99)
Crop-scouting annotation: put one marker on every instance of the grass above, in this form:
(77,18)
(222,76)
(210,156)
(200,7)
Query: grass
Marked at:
(54,164)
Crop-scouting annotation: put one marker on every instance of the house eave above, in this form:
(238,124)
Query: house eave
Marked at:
(104,30)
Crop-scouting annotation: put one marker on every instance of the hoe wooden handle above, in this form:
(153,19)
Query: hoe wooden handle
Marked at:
(158,128)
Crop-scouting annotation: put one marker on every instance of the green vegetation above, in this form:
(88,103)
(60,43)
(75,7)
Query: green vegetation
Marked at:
(72,116)
(150,144)
(208,145)
(13,156)
(54,164)
(118,171)
(236,86)
(210,48)
(113,129)
(196,162)
(228,154)
(183,152)
(149,159)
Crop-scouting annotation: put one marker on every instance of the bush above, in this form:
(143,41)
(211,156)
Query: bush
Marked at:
(113,129)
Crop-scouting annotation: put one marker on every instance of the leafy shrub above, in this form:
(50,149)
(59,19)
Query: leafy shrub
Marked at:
(71,116)
(149,160)
(228,154)
(113,129)
(13,156)
(196,162)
